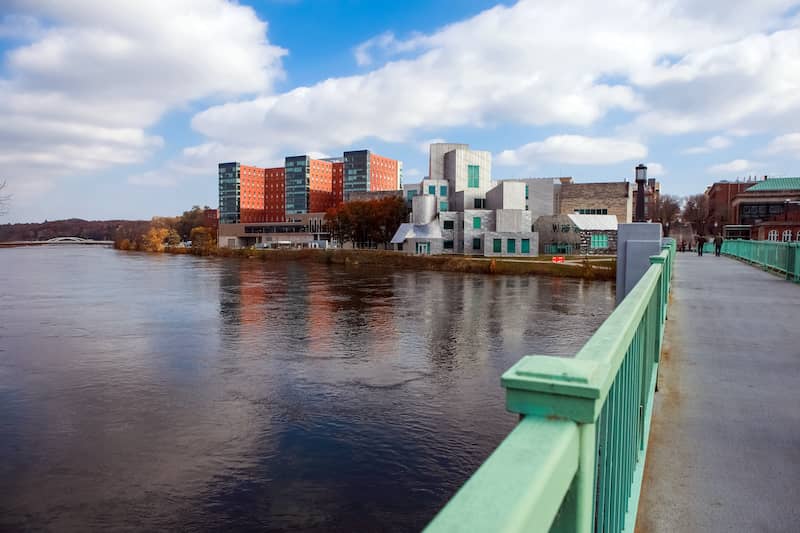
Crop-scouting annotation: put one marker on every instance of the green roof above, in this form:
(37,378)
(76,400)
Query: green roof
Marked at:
(776,184)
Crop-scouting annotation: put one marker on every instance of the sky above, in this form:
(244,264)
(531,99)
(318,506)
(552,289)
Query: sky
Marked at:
(119,109)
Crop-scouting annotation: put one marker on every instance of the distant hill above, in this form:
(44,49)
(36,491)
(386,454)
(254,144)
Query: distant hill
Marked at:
(101,230)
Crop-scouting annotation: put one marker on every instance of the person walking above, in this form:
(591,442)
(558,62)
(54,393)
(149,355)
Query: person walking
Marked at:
(701,241)
(718,245)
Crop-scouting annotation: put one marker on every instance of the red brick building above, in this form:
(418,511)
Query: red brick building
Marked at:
(720,200)
(303,185)
(274,195)
(784,227)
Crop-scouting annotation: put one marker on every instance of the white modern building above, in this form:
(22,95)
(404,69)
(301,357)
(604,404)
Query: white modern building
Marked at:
(458,209)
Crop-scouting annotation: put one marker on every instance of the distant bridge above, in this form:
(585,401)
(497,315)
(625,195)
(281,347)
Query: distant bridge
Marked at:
(57,240)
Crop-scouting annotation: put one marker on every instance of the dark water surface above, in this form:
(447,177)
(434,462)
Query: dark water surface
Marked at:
(150,392)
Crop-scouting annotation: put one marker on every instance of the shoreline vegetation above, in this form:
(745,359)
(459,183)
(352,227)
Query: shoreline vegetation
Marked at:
(602,268)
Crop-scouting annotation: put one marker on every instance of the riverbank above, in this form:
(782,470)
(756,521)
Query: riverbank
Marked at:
(573,267)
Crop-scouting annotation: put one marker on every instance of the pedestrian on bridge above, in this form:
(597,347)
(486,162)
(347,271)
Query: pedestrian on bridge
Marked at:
(718,245)
(701,241)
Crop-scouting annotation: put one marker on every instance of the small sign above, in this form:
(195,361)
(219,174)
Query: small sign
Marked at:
(558,259)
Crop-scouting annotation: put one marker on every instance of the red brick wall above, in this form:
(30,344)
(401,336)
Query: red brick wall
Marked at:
(761,231)
(383,173)
(338,183)
(251,194)
(321,186)
(275,194)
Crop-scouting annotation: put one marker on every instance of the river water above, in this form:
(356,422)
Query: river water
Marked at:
(158,392)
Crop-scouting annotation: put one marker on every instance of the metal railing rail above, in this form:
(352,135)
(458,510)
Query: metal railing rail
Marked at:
(575,460)
(782,257)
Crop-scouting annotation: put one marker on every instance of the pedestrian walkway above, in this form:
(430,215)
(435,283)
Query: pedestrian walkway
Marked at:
(724,452)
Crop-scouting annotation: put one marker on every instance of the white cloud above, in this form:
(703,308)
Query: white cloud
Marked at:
(785,144)
(714,143)
(654,170)
(412,173)
(81,93)
(575,150)
(386,43)
(678,65)
(425,146)
(750,83)
(737,166)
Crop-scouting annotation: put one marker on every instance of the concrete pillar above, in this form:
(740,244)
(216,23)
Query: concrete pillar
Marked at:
(636,242)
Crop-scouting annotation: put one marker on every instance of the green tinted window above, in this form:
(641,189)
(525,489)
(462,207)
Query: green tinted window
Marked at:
(431,189)
(473,176)
(526,246)
(511,246)
(442,206)
(476,222)
(476,244)
(443,190)
(497,246)
(600,241)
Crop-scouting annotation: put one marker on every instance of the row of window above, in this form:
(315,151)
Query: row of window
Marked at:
(497,245)
(589,211)
(432,190)
(786,237)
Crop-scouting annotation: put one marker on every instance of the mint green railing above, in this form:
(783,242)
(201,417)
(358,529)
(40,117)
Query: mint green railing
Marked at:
(783,257)
(575,460)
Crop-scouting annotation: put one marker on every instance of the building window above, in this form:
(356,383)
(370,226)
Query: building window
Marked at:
(476,244)
(526,191)
(594,211)
(448,245)
(431,189)
(443,190)
(511,246)
(599,240)
(773,235)
(476,223)
(526,246)
(497,246)
(787,235)
(448,224)
(442,206)
(478,203)
(473,176)
(411,194)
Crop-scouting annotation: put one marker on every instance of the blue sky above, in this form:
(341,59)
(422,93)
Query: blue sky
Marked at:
(123,109)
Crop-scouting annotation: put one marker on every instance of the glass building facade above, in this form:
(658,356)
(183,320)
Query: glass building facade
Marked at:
(229,189)
(356,172)
(298,184)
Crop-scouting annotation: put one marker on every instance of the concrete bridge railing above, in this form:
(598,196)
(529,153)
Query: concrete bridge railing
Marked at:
(782,257)
(575,460)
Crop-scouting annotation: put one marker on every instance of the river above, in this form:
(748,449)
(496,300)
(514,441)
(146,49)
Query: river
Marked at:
(161,392)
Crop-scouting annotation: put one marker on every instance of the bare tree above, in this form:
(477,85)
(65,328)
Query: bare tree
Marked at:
(668,209)
(695,212)
(5,199)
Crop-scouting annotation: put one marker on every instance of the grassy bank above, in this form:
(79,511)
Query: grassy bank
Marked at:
(602,269)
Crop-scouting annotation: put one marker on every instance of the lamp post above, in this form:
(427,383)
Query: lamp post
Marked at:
(641,179)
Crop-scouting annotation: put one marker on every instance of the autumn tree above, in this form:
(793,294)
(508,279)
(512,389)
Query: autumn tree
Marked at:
(366,223)
(189,220)
(153,240)
(203,240)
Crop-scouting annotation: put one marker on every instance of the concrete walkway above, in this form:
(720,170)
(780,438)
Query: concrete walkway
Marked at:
(724,452)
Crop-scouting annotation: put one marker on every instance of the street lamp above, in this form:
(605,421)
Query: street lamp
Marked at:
(641,179)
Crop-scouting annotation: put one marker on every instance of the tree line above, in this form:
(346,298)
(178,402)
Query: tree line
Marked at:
(366,223)
(162,232)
